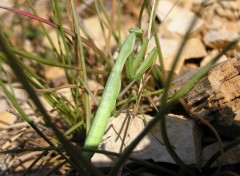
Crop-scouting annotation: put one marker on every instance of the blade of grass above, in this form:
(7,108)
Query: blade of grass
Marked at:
(108,41)
(214,158)
(147,5)
(71,77)
(164,97)
(42,60)
(98,4)
(160,56)
(83,65)
(55,169)
(119,22)
(167,143)
(51,63)
(12,99)
(62,34)
(27,14)
(43,28)
(50,148)
(176,59)
(29,168)
(143,6)
(81,25)
(8,77)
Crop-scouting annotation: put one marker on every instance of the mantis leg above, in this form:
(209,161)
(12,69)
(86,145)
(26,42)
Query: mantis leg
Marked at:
(146,63)
(141,54)
(129,67)
(131,64)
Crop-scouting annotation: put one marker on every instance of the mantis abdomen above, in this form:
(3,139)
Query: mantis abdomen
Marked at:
(109,97)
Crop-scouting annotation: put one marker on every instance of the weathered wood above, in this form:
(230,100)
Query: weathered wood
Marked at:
(216,97)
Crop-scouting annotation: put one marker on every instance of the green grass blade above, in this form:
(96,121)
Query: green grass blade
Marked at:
(82,61)
(179,52)
(164,97)
(144,4)
(29,168)
(43,28)
(56,7)
(54,169)
(119,21)
(160,56)
(42,60)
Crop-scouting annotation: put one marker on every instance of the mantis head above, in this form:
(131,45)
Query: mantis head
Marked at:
(138,32)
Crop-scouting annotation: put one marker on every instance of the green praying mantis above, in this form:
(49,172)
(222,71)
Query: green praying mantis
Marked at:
(113,86)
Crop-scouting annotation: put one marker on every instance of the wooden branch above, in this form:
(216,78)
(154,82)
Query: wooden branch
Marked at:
(216,97)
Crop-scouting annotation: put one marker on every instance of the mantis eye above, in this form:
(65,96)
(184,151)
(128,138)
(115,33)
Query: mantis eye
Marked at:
(139,32)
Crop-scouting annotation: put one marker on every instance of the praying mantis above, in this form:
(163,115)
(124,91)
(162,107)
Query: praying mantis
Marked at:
(113,85)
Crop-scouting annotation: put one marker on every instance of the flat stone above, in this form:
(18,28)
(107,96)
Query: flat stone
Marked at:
(211,56)
(19,92)
(6,119)
(169,47)
(183,133)
(180,24)
(236,120)
(7,4)
(215,39)
(55,75)
(4,104)
(227,13)
(163,9)
(9,75)
(233,5)
(202,1)
(177,18)
(58,43)
(194,49)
